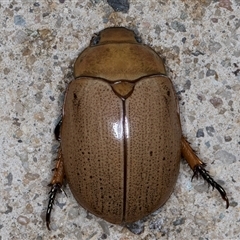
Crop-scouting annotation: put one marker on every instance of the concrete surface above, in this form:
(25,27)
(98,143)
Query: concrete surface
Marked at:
(39,41)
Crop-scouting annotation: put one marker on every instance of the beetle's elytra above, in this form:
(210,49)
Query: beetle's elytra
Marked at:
(120,134)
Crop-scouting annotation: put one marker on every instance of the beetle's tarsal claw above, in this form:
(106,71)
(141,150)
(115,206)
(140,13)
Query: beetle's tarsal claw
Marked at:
(199,169)
(54,190)
(195,174)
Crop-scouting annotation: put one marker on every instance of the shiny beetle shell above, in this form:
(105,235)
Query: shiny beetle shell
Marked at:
(120,133)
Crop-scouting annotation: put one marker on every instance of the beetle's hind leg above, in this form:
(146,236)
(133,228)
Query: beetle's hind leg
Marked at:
(57,180)
(198,167)
(57,130)
(56,186)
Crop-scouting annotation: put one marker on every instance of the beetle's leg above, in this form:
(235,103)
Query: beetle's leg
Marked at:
(58,176)
(55,185)
(198,168)
(57,130)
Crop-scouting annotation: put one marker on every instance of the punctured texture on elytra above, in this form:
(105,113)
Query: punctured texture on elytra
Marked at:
(121,134)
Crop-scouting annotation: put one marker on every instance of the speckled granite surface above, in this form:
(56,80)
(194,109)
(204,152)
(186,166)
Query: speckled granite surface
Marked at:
(39,41)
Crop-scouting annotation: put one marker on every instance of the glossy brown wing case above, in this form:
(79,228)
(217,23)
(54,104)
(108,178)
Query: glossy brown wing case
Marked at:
(121,135)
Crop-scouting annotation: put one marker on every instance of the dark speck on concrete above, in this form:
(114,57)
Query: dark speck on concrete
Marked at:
(197,53)
(227,138)
(38,97)
(45,14)
(52,98)
(210,72)
(119,5)
(214,20)
(200,133)
(157,29)
(9,209)
(156,224)
(179,221)
(136,227)
(200,98)
(179,27)
(210,130)
(9,178)
(183,15)
(104,236)
(187,85)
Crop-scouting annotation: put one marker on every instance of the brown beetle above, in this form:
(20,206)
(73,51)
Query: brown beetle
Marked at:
(120,134)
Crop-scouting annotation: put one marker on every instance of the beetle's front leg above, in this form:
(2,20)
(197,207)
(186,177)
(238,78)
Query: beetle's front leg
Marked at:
(57,180)
(198,167)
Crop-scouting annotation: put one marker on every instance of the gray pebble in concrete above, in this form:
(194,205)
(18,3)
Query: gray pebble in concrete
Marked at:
(179,27)
(19,20)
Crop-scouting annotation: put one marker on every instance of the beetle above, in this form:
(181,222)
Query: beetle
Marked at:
(120,134)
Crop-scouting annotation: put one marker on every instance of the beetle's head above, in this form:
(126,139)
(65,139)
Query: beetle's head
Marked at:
(115,35)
